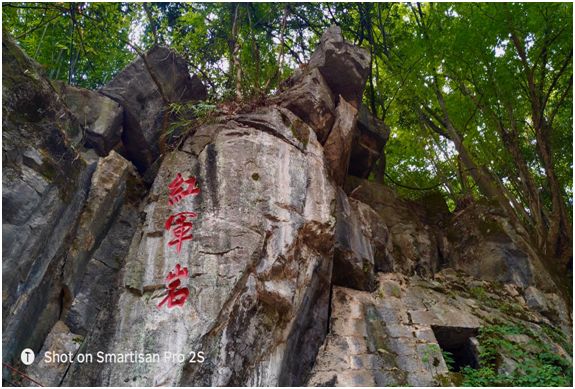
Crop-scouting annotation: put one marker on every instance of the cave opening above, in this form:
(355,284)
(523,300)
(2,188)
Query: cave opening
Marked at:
(458,344)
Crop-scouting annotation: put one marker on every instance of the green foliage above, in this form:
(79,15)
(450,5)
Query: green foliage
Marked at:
(81,43)
(478,293)
(538,365)
(448,358)
(429,355)
(185,118)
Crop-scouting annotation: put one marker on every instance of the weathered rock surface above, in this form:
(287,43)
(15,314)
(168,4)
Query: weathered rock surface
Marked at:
(335,58)
(483,245)
(395,336)
(144,89)
(259,261)
(311,99)
(106,196)
(418,245)
(59,200)
(276,245)
(100,117)
(44,185)
(59,341)
(337,148)
(354,252)
(367,147)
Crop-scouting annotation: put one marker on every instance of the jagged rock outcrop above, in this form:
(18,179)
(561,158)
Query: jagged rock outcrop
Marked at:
(362,244)
(485,245)
(344,67)
(418,244)
(44,184)
(101,118)
(367,147)
(398,335)
(260,259)
(144,89)
(337,148)
(311,100)
(57,210)
(478,239)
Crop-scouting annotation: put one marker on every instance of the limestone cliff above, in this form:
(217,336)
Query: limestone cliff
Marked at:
(298,269)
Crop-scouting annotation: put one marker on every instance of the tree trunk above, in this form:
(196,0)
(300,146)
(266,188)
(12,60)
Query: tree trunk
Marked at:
(235,50)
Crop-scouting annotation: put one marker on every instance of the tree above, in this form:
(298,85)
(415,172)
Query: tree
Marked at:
(478,96)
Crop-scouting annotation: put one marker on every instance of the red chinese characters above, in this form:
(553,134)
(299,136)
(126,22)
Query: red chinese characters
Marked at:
(180,188)
(180,224)
(176,296)
(181,227)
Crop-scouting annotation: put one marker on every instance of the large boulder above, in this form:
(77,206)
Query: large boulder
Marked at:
(144,89)
(100,116)
(345,67)
(311,100)
(362,244)
(368,146)
(353,259)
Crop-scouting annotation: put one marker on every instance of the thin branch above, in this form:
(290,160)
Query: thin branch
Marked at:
(560,72)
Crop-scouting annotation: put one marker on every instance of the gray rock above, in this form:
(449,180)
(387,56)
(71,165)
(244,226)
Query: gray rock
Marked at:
(101,273)
(107,193)
(44,185)
(535,299)
(312,101)
(367,147)
(46,369)
(486,246)
(367,344)
(100,117)
(353,261)
(259,261)
(144,89)
(414,231)
(337,148)
(345,67)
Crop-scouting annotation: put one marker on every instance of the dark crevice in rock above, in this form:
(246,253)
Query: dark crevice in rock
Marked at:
(460,342)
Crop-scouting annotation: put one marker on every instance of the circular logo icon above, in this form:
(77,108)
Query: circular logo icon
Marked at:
(27,356)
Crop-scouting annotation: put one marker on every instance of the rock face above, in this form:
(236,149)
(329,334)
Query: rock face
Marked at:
(62,341)
(260,259)
(485,246)
(399,334)
(290,268)
(312,100)
(57,210)
(144,89)
(44,182)
(418,245)
(367,147)
(361,238)
(334,58)
(100,117)
(337,148)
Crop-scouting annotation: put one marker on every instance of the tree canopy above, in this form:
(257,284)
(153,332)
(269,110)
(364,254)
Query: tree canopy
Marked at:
(478,96)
